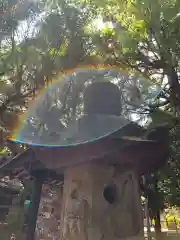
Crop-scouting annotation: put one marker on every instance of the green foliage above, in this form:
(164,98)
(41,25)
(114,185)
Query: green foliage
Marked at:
(141,36)
(173,222)
(159,116)
(4,152)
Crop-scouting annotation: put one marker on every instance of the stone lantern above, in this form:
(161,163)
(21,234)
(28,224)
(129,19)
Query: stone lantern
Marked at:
(102,159)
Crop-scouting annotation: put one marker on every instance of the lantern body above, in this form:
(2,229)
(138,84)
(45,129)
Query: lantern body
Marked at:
(89,212)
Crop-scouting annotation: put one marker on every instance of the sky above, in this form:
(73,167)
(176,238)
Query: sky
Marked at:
(30,28)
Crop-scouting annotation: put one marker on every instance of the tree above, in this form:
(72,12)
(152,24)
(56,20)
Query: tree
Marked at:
(144,36)
(141,37)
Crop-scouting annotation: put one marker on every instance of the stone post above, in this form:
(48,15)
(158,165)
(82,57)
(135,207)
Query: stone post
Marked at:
(100,202)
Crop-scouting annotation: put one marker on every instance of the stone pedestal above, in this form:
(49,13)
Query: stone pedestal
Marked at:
(100,202)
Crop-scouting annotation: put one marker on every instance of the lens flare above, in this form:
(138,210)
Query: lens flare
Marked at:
(67,111)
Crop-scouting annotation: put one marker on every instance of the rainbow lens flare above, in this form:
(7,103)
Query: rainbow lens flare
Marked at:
(55,118)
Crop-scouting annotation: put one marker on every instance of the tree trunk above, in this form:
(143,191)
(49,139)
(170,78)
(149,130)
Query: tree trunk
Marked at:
(101,203)
(173,81)
(34,207)
(157,219)
(148,220)
(158,226)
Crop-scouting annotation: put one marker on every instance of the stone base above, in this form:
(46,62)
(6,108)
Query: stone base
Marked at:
(100,202)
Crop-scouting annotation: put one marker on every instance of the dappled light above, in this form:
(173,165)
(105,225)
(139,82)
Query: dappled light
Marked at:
(89,119)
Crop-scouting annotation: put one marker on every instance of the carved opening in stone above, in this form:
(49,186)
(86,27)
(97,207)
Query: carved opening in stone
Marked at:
(110,193)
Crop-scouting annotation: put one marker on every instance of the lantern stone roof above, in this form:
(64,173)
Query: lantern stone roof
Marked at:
(27,162)
(130,146)
(126,147)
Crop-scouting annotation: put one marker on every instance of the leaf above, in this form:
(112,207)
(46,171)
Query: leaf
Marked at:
(107,31)
(52,51)
(63,48)
(4,152)
(159,116)
(3,86)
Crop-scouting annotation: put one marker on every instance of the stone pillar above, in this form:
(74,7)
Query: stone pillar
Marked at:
(34,206)
(99,202)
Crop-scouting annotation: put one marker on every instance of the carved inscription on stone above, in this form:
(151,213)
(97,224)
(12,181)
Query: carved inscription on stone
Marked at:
(76,218)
